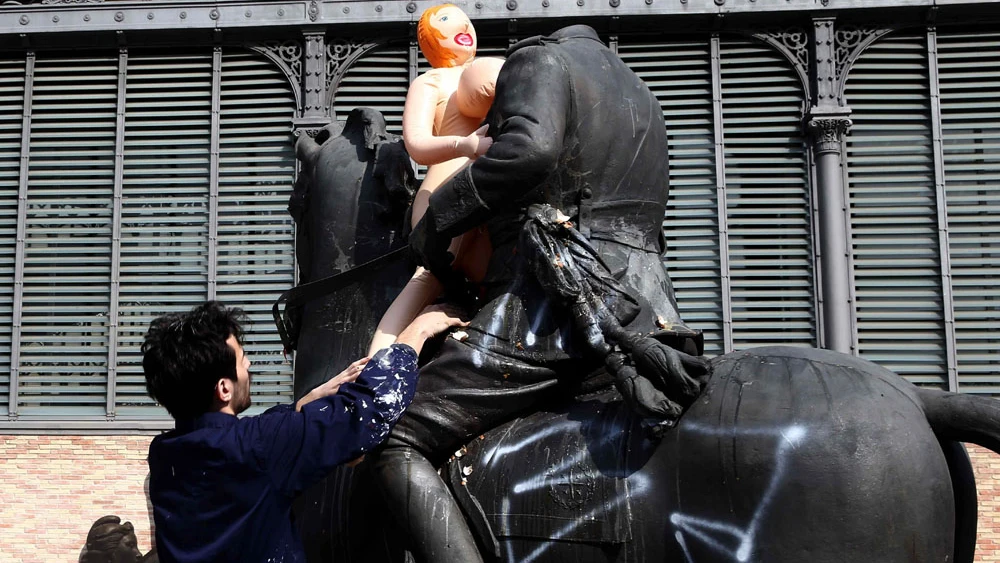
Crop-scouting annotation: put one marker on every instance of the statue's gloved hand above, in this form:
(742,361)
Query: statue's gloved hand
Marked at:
(681,376)
(430,248)
(639,393)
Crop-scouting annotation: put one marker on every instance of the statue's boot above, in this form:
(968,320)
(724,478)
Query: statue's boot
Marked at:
(424,506)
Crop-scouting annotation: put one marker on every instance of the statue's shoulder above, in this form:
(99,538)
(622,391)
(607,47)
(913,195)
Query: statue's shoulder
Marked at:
(539,59)
(572,32)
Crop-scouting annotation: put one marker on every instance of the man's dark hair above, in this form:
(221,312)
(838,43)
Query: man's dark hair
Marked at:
(185,354)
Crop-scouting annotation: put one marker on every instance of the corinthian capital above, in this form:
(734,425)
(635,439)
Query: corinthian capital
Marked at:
(828,131)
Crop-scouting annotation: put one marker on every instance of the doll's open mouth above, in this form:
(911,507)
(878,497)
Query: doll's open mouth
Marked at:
(464,39)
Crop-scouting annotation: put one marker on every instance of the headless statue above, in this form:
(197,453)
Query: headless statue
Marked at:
(572,147)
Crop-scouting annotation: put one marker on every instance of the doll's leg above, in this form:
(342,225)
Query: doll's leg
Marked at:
(472,252)
(422,289)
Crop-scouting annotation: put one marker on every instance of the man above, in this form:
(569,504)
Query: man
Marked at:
(577,131)
(222,486)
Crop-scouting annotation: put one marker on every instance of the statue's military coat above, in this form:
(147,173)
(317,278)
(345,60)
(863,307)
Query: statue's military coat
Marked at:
(575,128)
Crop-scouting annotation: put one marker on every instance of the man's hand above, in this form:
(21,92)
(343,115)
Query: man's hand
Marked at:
(431,321)
(331,387)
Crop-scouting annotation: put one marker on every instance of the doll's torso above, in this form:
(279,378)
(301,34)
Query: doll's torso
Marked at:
(448,120)
(463,96)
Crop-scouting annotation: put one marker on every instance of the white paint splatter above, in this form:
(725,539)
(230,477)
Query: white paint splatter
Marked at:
(536,322)
(636,484)
(712,532)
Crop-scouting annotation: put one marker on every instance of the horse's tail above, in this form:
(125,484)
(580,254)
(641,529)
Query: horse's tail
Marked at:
(959,418)
(963,417)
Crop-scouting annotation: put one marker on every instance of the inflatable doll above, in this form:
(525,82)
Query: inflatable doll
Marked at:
(442,119)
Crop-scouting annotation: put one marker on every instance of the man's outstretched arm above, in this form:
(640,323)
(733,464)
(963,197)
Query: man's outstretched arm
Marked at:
(300,448)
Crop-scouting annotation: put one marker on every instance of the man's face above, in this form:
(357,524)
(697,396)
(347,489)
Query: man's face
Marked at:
(241,394)
(459,35)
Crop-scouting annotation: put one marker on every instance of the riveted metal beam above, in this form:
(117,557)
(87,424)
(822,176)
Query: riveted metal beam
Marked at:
(718,134)
(71,16)
(116,233)
(213,175)
(21,235)
(944,244)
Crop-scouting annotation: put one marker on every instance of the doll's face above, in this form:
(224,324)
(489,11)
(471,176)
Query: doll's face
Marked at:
(459,35)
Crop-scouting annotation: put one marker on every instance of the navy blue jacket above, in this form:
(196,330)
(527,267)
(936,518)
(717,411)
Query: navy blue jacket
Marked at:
(222,486)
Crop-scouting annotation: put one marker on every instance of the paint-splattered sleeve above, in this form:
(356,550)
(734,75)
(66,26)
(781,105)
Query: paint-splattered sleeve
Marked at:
(299,449)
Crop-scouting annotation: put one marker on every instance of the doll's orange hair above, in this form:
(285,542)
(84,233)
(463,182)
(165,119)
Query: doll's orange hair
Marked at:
(429,39)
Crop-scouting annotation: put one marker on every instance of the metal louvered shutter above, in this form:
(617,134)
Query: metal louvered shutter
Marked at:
(890,177)
(970,119)
(11,109)
(680,75)
(154,181)
(767,198)
(256,261)
(165,187)
(378,80)
(67,255)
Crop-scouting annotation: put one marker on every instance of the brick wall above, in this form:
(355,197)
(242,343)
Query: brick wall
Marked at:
(55,487)
(52,488)
(986,466)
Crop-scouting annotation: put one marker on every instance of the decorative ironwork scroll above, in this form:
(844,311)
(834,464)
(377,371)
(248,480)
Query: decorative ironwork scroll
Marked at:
(793,43)
(341,54)
(849,42)
(287,55)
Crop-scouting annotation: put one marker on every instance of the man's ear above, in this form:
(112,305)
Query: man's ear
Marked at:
(224,388)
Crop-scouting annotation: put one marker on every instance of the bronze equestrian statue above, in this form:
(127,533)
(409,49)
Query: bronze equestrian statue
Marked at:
(519,448)
(574,130)
(789,455)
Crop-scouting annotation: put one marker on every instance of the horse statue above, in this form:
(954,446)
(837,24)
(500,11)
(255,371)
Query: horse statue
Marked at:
(348,204)
(788,454)
(350,198)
